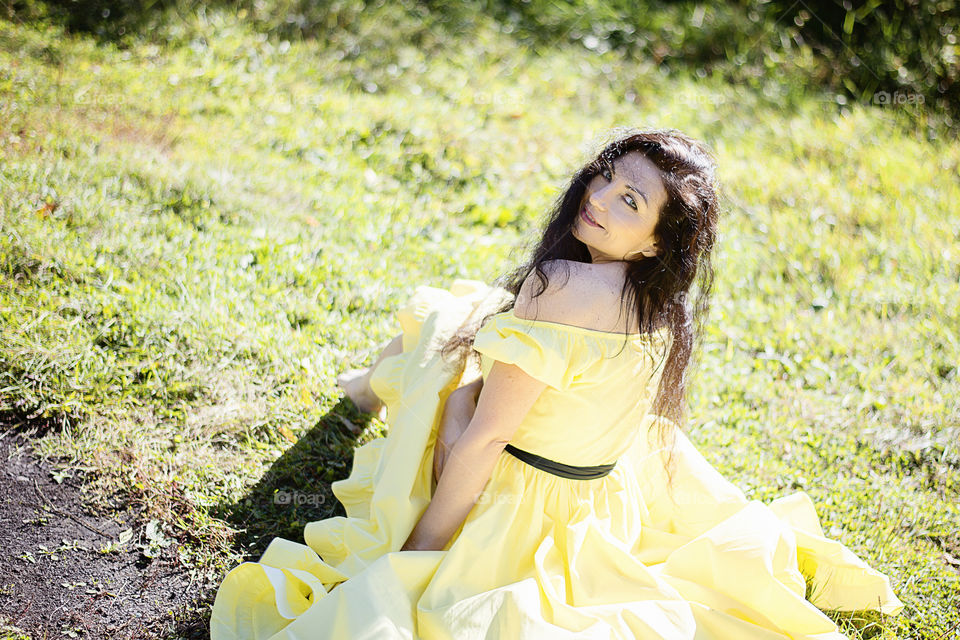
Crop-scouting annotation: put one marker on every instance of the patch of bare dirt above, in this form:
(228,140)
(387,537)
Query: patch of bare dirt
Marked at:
(67,571)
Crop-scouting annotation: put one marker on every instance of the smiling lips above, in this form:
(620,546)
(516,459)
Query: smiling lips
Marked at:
(586,215)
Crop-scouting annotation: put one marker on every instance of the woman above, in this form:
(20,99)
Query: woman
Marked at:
(523,496)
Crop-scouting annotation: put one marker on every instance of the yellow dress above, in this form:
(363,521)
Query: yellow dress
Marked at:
(539,555)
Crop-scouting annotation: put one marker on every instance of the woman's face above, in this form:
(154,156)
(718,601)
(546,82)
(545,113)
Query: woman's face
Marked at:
(625,202)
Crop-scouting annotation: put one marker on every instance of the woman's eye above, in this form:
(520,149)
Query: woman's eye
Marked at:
(607,173)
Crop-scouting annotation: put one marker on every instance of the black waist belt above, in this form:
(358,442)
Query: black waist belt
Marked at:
(560,469)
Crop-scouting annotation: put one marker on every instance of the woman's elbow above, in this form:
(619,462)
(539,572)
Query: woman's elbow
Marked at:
(487,438)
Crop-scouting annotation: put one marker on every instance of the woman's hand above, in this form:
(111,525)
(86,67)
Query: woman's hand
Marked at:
(472,390)
(458,410)
(457,413)
(509,393)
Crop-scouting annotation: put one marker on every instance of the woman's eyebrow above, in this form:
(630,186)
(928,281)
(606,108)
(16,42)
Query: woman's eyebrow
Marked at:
(633,188)
(639,193)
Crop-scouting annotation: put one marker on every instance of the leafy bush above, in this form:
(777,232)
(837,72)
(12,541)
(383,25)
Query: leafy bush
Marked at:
(880,52)
(883,52)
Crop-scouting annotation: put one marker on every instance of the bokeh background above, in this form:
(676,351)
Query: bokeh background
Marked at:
(209,210)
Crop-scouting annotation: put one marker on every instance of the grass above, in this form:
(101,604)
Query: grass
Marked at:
(199,231)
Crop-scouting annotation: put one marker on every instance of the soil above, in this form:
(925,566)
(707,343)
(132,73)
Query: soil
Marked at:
(64,572)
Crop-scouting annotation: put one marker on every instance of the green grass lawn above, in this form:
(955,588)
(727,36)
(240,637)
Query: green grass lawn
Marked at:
(199,232)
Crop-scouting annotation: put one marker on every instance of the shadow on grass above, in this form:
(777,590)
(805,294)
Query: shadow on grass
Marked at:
(296,488)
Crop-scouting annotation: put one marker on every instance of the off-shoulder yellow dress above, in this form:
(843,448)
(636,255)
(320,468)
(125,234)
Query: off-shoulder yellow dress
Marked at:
(539,555)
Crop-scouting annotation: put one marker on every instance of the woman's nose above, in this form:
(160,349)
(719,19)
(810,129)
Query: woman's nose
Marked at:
(598,199)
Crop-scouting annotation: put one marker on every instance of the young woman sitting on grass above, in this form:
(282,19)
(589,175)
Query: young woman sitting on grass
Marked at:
(546,489)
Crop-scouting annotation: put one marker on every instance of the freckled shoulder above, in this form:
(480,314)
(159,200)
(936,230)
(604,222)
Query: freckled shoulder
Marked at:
(581,298)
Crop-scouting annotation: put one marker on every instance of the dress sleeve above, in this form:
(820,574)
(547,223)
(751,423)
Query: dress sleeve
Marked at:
(543,352)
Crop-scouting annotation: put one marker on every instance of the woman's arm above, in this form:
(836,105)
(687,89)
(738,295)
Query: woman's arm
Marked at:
(503,402)
(472,390)
(458,410)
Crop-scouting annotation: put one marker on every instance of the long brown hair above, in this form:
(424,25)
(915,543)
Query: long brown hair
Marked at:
(657,288)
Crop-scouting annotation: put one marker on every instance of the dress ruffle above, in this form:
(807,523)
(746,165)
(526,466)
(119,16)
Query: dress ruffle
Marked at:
(622,556)
(553,353)
(544,356)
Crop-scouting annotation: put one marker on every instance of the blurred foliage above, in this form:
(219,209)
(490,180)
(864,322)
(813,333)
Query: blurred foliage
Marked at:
(903,52)
(886,52)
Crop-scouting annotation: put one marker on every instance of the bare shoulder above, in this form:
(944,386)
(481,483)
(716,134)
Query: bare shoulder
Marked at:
(576,293)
